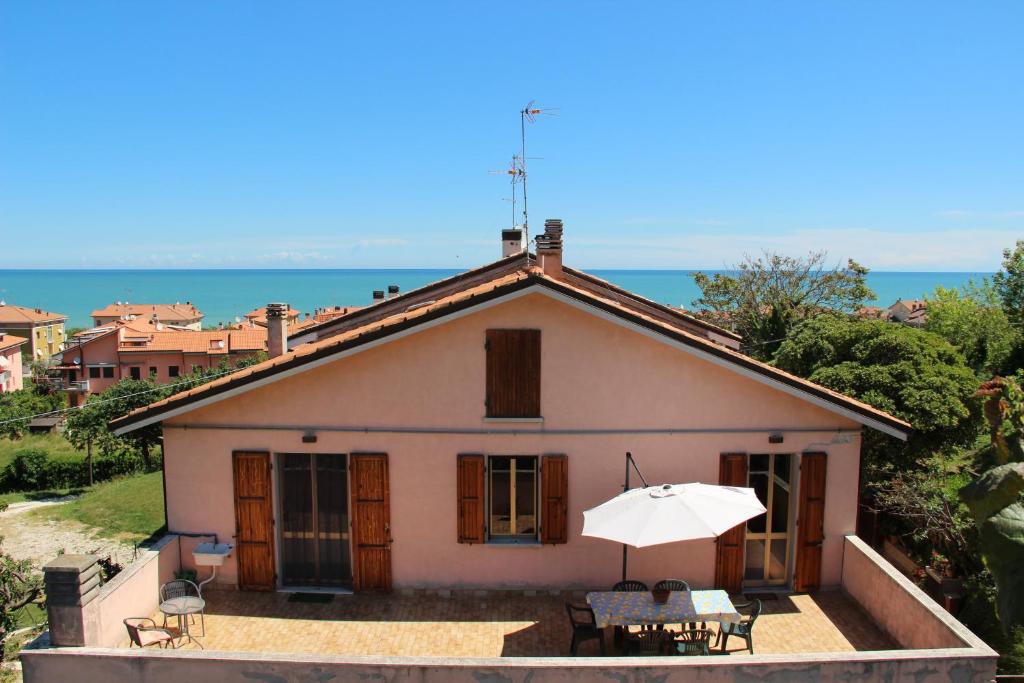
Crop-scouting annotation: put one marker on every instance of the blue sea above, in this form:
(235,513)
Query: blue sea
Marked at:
(223,295)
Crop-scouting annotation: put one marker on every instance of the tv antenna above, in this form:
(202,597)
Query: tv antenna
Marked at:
(529,113)
(516,173)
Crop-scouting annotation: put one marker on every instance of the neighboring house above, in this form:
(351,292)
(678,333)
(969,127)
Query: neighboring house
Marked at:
(258,316)
(11,377)
(137,349)
(464,427)
(912,312)
(43,331)
(872,313)
(184,316)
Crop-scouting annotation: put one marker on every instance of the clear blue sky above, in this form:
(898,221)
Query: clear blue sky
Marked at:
(223,134)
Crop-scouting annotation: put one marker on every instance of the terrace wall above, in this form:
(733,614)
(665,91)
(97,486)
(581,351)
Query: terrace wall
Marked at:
(897,605)
(135,592)
(170,666)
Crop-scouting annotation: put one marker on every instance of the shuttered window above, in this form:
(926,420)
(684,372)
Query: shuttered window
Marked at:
(499,498)
(554,499)
(732,471)
(471,498)
(513,373)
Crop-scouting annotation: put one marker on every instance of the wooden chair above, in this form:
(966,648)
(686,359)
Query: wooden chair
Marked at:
(584,627)
(144,632)
(694,641)
(744,629)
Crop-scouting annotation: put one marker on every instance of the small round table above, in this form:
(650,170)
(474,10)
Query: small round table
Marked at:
(182,608)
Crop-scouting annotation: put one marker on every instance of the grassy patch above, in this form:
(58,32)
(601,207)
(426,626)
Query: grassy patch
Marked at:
(23,496)
(131,508)
(55,445)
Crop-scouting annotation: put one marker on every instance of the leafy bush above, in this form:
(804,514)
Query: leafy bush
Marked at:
(34,470)
(28,470)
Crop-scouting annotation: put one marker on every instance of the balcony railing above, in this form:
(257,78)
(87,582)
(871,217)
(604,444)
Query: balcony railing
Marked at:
(61,384)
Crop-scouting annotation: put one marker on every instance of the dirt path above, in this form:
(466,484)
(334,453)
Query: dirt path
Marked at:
(34,538)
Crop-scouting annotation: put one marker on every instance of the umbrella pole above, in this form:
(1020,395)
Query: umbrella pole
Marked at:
(625,487)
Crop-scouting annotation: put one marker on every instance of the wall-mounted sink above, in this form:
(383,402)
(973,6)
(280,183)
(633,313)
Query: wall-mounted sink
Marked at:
(211,554)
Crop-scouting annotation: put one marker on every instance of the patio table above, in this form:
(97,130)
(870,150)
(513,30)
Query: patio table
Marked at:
(618,608)
(182,608)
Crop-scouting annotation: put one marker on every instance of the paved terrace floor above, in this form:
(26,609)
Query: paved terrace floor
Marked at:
(491,625)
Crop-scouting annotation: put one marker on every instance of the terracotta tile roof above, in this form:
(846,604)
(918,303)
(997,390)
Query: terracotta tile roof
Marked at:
(164,312)
(259,315)
(9,340)
(211,342)
(498,286)
(11,314)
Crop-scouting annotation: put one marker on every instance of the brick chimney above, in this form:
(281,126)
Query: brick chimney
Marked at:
(549,248)
(277,329)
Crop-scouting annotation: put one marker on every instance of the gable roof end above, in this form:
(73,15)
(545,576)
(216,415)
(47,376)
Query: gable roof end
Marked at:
(505,287)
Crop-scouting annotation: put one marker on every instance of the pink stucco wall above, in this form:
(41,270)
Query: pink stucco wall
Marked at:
(135,591)
(897,605)
(15,381)
(596,375)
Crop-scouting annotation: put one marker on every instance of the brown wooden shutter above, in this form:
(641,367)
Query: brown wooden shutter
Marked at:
(513,373)
(732,471)
(254,520)
(554,499)
(371,522)
(471,498)
(810,522)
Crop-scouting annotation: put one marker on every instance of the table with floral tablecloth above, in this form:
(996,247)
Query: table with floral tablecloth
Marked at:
(617,608)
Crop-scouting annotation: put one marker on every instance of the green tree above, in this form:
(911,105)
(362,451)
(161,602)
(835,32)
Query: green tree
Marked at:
(972,319)
(18,407)
(912,374)
(763,299)
(1009,283)
(18,587)
(88,425)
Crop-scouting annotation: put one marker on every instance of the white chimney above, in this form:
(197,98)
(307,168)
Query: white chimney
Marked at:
(277,329)
(513,242)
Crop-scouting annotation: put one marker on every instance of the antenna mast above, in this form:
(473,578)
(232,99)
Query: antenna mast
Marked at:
(527,113)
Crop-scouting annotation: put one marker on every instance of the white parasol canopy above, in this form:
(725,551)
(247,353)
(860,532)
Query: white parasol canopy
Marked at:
(671,512)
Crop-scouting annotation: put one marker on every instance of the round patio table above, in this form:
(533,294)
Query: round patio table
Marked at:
(182,608)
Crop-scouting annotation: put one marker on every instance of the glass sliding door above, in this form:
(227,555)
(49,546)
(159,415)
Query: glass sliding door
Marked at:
(768,535)
(314,520)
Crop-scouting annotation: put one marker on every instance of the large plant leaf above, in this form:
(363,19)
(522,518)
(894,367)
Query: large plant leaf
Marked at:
(993,491)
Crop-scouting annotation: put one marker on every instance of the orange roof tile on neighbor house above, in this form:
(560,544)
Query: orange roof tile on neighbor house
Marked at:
(211,342)
(176,312)
(505,284)
(11,314)
(259,315)
(9,340)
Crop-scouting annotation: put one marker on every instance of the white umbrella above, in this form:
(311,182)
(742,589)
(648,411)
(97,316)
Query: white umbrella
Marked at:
(669,513)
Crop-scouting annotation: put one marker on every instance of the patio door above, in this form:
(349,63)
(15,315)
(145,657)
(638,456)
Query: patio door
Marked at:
(314,520)
(371,521)
(768,539)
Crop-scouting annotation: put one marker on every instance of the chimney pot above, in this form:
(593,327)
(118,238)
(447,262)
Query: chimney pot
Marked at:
(393,289)
(549,248)
(277,329)
(378,295)
(513,242)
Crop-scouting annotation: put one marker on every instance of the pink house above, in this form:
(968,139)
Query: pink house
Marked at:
(442,445)
(463,428)
(11,378)
(141,348)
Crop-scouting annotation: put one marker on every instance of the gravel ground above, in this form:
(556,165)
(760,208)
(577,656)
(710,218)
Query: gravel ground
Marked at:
(28,536)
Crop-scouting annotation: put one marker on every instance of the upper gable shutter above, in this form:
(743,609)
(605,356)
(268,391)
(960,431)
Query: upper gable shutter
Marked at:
(732,471)
(513,373)
(471,498)
(554,499)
